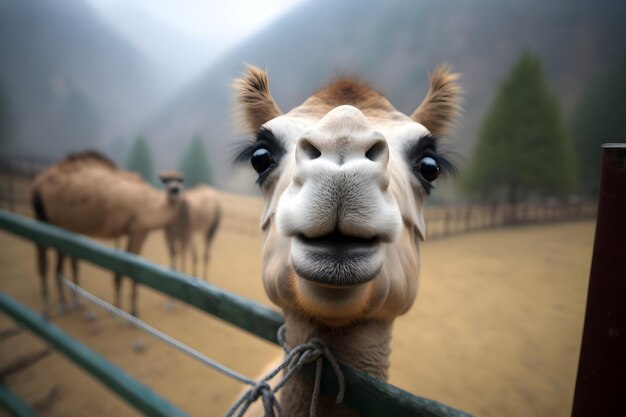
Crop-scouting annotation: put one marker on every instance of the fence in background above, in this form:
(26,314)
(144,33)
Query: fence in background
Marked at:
(447,221)
(16,172)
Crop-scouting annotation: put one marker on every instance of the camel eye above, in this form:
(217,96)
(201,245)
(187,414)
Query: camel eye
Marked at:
(427,167)
(262,160)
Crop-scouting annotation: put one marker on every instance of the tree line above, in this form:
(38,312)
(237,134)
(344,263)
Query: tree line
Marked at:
(193,163)
(524,150)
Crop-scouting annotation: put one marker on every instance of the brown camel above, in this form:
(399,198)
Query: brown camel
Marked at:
(199,213)
(87,193)
(344,177)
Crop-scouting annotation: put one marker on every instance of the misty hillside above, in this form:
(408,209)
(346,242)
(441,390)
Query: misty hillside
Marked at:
(66,80)
(178,55)
(392,45)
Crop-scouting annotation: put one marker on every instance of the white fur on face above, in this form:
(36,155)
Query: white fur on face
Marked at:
(173,188)
(329,185)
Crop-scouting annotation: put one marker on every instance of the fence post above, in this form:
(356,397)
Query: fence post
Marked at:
(446,222)
(600,389)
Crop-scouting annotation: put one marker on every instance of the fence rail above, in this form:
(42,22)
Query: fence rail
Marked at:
(14,404)
(447,221)
(364,394)
(136,394)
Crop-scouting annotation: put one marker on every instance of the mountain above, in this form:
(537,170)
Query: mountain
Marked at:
(68,80)
(178,55)
(393,45)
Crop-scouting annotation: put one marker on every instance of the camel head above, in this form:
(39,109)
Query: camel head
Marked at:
(173,183)
(344,177)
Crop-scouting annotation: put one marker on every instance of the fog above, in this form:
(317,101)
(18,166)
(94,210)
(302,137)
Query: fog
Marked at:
(182,41)
(80,74)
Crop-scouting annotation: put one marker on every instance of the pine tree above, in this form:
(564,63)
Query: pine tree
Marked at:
(140,159)
(599,117)
(523,148)
(194,164)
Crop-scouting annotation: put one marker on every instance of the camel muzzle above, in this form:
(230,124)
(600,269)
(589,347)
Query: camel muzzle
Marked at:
(337,260)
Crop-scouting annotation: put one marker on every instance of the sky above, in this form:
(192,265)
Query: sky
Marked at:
(230,21)
(184,37)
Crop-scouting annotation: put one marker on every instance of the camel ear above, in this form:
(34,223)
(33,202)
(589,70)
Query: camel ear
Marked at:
(442,105)
(252,94)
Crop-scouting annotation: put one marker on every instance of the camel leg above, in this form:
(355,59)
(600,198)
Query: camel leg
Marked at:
(208,239)
(135,242)
(184,245)
(194,259)
(75,300)
(42,263)
(170,239)
(205,260)
(117,278)
(59,280)
(117,282)
(171,247)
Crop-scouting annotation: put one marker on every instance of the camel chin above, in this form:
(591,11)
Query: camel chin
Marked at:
(332,305)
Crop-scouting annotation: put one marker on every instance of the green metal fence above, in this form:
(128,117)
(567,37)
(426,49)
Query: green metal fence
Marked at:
(117,380)
(364,394)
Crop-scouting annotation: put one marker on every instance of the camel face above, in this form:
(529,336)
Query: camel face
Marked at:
(173,183)
(344,177)
(342,226)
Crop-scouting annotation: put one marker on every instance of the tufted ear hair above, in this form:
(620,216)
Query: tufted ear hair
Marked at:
(442,105)
(252,94)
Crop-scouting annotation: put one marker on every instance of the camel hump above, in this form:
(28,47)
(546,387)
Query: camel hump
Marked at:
(202,197)
(90,156)
(202,189)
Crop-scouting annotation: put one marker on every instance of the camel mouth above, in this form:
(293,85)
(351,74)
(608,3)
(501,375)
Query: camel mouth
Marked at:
(337,260)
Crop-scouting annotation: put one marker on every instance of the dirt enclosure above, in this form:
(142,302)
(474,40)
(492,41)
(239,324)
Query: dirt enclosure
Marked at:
(495,330)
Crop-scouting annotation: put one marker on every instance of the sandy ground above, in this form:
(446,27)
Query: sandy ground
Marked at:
(495,330)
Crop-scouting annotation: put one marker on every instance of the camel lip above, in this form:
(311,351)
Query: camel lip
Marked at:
(337,263)
(339,241)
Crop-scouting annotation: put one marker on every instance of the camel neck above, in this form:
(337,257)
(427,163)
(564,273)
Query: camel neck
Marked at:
(160,211)
(365,346)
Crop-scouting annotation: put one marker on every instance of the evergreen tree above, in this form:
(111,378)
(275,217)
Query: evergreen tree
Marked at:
(194,164)
(599,117)
(522,148)
(140,160)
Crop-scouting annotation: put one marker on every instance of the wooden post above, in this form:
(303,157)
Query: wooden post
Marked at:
(600,388)
(446,222)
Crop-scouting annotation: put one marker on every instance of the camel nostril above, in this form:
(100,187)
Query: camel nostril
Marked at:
(377,151)
(309,149)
